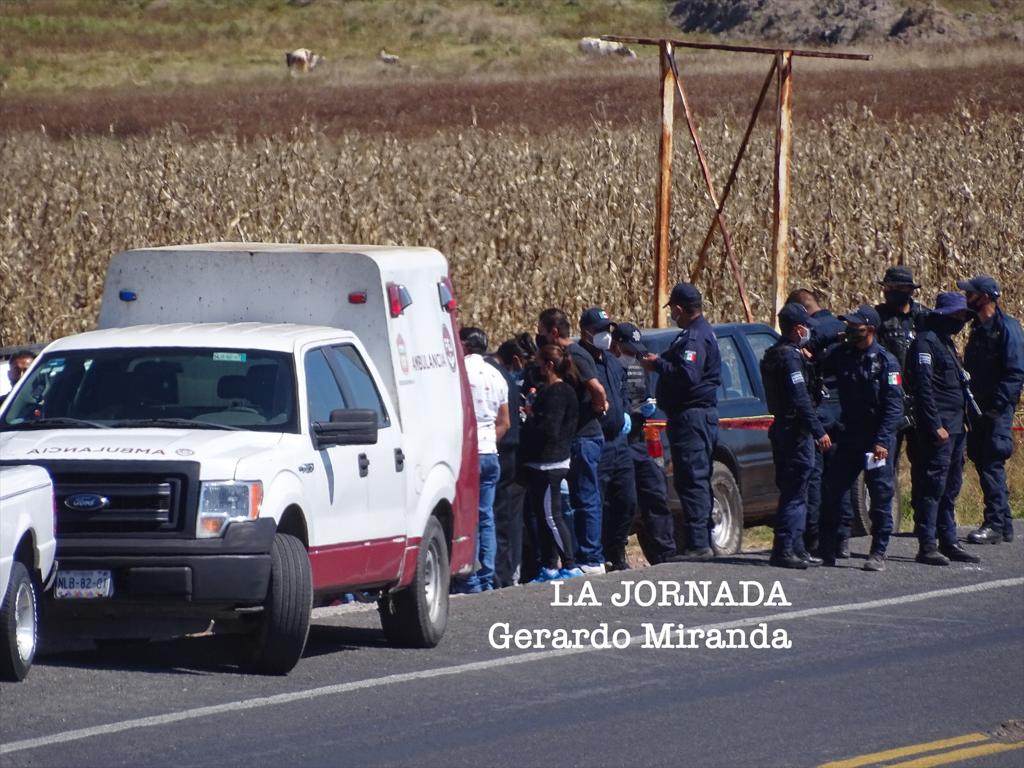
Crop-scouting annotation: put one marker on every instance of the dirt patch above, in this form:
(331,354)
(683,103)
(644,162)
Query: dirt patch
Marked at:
(411,109)
(1011,731)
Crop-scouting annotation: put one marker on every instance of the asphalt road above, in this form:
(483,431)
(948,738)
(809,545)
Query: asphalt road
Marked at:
(878,662)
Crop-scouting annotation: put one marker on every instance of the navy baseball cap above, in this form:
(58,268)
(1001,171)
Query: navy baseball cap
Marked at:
(950,302)
(685,295)
(595,319)
(865,314)
(796,314)
(900,275)
(627,333)
(980,284)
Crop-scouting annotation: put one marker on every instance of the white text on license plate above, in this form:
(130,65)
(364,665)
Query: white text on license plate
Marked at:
(83,584)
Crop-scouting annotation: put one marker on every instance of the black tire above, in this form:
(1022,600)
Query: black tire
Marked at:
(727,513)
(416,617)
(280,639)
(862,509)
(19,624)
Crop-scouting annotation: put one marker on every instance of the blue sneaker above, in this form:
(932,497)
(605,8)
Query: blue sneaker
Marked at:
(570,573)
(547,574)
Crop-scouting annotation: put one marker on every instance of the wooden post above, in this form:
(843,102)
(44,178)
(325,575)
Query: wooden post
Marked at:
(663,208)
(783,155)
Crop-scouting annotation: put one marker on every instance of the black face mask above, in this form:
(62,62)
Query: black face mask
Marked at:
(898,298)
(542,340)
(948,326)
(855,335)
(976,302)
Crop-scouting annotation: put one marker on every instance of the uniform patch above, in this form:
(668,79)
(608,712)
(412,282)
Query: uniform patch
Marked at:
(895,379)
(924,358)
(796,377)
(690,356)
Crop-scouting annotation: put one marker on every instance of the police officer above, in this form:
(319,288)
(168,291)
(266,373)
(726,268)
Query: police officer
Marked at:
(615,468)
(651,489)
(871,407)
(900,316)
(689,374)
(995,359)
(934,376)
(826,331)
(793,433)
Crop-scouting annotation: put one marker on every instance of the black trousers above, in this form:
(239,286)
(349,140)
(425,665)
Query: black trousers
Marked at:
(508,522)
(544,505)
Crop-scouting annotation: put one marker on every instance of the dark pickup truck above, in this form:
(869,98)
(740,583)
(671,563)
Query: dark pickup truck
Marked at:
(743,478)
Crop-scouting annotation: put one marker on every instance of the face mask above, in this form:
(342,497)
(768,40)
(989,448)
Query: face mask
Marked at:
(898,298)
(626,359)
(949,326)
(603,340)
(976,302)
(517,378)
(803,336)
(855,335)
(541,340)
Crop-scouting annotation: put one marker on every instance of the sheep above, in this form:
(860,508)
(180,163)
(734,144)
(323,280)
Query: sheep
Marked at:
(388,58)
(302,60)
(593,46)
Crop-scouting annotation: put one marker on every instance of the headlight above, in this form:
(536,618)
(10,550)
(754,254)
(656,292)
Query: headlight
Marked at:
(221,503)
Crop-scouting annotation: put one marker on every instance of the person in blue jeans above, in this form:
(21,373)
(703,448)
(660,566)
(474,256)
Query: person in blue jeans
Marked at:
(490,404)
(587,444)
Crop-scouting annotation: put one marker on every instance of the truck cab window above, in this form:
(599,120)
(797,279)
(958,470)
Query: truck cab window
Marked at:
(735,381)
(322,389)
(356,381)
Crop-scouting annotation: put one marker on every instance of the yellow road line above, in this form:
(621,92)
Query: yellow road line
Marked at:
(958,755)
(913,749)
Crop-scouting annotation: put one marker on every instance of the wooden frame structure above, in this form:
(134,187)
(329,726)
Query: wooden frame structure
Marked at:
(781,70)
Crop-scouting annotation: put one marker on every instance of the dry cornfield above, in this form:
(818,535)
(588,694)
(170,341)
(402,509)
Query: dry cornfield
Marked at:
(528,221)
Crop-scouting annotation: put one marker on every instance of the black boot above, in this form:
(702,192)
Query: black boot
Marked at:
(787,560)
(985,535)
(930,555)
(958,554)
(843,549)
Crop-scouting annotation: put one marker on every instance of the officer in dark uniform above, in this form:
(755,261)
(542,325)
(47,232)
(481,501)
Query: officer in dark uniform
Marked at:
(794,432)
(651,489)
(934,376)
(826,331)
(615,468)
(871,403)
(900,316)
(689,374)
(995,359)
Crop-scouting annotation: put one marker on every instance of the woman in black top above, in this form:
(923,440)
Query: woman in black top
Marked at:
(545,445)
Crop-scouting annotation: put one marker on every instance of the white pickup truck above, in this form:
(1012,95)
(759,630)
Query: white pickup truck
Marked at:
(257,429)
(27,547)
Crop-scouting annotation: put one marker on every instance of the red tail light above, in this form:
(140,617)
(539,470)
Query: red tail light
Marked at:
(653,437)
(398,299)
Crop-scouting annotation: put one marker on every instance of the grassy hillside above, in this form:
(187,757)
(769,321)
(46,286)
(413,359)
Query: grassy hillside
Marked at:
(56,45)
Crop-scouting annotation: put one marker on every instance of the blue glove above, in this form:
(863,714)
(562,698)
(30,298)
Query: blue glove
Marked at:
(627,423)
(648,408)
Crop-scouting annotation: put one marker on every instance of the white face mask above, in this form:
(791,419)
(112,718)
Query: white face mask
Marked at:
(603,340)
(803,335)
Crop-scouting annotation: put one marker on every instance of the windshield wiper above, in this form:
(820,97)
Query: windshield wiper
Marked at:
(56,421)
(168,421)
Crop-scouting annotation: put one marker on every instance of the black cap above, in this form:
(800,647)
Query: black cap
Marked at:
(901,275)
(981,284)
(796,314)
(595,319)
(474,340)
(865,314)
(685,295)
(629,334)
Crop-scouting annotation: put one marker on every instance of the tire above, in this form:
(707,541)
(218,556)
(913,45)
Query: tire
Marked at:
(19,623)
(861,500)
(416,617)
(727,513)
(280,639)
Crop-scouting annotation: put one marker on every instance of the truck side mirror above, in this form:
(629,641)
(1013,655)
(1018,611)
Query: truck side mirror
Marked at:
(348,426)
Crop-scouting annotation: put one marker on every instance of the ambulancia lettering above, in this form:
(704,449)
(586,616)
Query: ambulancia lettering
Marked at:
(51,449)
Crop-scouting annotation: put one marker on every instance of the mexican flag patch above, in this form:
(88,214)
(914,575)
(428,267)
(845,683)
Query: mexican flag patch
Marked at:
(690,356)
(895,379)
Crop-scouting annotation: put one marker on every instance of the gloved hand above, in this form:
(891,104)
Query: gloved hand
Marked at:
(993,414)
(649,407)
(627,423)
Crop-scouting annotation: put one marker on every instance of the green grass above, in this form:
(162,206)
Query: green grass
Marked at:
(57,45)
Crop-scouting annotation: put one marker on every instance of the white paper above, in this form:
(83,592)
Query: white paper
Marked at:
(870,462)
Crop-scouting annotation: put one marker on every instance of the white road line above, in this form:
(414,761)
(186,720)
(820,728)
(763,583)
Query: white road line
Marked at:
(505,661)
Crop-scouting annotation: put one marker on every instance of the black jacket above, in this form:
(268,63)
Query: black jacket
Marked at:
(548,432)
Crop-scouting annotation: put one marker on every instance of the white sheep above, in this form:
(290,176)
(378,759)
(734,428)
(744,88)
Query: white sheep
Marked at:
(302,60)
(594,46)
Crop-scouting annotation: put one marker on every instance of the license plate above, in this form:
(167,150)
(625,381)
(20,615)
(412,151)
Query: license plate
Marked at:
(83,584)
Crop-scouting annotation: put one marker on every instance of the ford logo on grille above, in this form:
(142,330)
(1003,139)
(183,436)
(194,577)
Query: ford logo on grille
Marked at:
(86,502)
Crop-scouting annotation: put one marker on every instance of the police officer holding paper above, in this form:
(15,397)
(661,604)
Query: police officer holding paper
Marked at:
(794,433)
(689,374)
(935,376)
(871,403)
(995,359)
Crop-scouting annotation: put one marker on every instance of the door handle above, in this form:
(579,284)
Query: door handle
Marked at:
(364,465)
(399,459)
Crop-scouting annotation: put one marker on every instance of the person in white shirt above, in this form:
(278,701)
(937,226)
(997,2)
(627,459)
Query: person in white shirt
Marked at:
(16,367)
(490,404)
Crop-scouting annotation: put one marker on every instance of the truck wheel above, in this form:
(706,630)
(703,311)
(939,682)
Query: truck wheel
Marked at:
(727,512)
(417,616)
(861,500)
(284,624)
(19,614)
